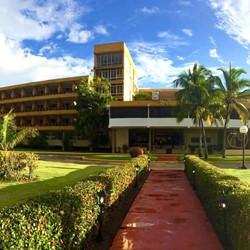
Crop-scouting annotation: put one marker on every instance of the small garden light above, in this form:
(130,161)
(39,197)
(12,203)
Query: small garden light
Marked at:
(193,174)
(222,200)
(137,169)
(223,203)
(149,160)
(102,199)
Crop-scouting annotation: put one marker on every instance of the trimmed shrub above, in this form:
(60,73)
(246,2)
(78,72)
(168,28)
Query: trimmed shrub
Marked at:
(13,163)
(136,151)
(209,183)
(68,219)
(30,226)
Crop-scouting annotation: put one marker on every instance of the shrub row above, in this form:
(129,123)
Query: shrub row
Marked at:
(231,223)
(67,219)
(13,163)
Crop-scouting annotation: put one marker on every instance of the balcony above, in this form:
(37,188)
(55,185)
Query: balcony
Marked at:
(39,97)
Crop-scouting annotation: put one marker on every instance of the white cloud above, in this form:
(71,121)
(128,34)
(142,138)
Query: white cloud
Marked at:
(248,59)
(184,3)
(214,53)
(212,41)
(180,58)
(170,39)
(152,10)
(20,66)
(100,29)
(48,49)
(153,64)
(36,20)
(78,35)
(188,32)
(234,19)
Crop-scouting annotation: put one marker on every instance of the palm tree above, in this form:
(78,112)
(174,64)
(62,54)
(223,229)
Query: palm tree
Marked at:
(9,136)
(233,92)
(194,98)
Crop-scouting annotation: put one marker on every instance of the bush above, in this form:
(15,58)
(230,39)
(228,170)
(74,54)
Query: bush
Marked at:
(67,219)
(39,142)
(13,163)
(209,183)
(125,148)
(136,151)
(30,226)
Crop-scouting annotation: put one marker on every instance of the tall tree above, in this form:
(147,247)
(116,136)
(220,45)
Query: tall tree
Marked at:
(194,98)
(93,106)
(9,136)
(234,92)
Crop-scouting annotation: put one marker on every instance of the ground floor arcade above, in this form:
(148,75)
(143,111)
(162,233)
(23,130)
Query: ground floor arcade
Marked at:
(173,140)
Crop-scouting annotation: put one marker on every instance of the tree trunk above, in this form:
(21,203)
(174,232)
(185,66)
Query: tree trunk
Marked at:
(205,140)
(224,137)
(200,139)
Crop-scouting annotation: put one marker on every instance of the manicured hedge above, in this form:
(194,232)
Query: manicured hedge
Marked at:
(233,223)
(67,219)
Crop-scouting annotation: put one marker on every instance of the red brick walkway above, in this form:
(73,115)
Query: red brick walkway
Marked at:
(167,158)
(166,215)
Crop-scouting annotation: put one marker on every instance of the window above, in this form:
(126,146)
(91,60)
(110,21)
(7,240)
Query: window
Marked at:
(161,112)
(110,74)
(67,106)
(196,140)
(129,112)
(116,89)
(109,59)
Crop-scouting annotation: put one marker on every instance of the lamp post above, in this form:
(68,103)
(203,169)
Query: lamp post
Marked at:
(222,202)
(243,131)
(102,197)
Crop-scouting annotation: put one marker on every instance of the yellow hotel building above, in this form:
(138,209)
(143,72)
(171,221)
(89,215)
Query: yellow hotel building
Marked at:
(49,107)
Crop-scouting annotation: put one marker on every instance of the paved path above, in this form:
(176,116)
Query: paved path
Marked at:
(166,215)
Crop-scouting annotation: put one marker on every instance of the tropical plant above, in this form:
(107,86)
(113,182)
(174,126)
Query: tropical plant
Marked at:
(125,148)
(93,106)
(9,136)
(233,91)
(141,96)
(195,98)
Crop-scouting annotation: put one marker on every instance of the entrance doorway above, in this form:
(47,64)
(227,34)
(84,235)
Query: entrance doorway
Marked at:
(157,140)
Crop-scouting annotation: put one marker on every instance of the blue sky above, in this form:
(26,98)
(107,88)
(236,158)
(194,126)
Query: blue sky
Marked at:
(47,39)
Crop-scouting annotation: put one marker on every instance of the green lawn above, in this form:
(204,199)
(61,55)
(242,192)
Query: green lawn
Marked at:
(50,176)
(114,157)
(242,174)
(228,158)
(110,157)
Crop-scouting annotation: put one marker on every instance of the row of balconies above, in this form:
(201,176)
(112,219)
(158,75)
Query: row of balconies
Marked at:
(4,111)
(40,105)
(36,91)
(44,121)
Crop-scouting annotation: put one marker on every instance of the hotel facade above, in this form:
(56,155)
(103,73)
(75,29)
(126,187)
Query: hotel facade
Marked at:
(49,107)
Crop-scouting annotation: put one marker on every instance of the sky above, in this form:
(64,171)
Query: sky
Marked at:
(48,39)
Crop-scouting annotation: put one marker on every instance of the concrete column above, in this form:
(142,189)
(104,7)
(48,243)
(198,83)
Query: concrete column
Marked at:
(149,140)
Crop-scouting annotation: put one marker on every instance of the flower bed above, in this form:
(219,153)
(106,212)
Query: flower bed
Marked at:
(68,219)
(232,220)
